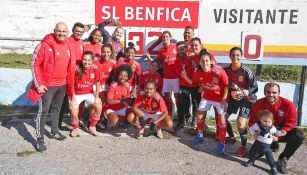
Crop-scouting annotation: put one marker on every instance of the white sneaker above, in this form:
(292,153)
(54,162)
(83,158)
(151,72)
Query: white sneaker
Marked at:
(159,134)
(75,132)
(93,131)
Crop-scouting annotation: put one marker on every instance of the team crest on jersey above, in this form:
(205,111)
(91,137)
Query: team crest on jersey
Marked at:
(215,80)
(57,53)
(102,74)
(92,75)
(200,78)
(154,105)
(241,78)
(280,113)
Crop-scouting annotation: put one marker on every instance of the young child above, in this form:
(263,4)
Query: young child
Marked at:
(263,132)
(150,105)
(85,78)
(214,82)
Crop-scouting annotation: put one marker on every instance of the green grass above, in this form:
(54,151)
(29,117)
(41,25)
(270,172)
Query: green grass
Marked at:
(14,60)
(25,153)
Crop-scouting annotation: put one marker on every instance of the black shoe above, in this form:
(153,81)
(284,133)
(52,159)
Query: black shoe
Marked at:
(58,136)
(283,165)
(275,147)
(274,170)
(40,146)
(249,163)
(178,127)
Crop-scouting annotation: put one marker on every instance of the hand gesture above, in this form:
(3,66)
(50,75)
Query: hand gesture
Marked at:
(42,89)
(116,22)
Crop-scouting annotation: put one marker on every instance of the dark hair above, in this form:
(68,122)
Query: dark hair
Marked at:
(124,67)
(113,54)
(235,48)
(202,53)
(189,27)
(130,47)
(181,43)
(272,84)
(168,32)
(90,38)
(151,81)
(80,67)
(156,61)
(78,24)
(196,39)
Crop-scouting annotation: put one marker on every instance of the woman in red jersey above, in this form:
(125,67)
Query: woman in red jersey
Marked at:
(85,78)
(152,74)
(94,45)
(214,82)
(118,97)
(150,106)
(167,56)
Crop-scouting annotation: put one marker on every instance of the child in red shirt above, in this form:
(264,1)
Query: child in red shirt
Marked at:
(94,45)
(150,106)
(85,78)
(118,97)
(214,82)
(152,74)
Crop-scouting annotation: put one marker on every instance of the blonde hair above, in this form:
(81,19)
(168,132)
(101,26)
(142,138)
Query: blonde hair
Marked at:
(265,114)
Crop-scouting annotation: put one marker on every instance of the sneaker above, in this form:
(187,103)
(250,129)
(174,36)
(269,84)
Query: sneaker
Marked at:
(249,163)
(159,134)
(241,152)
(197,139)
(221,148)
(178,127)
(40,146)
(274,170)
(92,130)
(283,165)
(140,133)
(275,147)
(75,132)
(58,136)
(230,140)
(83,126)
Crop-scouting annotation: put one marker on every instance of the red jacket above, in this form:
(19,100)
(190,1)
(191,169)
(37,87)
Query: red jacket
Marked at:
(283,110)
(42,67)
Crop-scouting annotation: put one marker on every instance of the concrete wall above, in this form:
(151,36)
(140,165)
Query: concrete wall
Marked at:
(15,82)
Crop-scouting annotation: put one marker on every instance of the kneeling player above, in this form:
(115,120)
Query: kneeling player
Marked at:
(85,78)
(150,105)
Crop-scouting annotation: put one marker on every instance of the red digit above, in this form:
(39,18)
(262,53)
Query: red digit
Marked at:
(247,40)
(139,44)
(156,43)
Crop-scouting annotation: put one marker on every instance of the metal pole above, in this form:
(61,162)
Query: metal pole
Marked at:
(301,96)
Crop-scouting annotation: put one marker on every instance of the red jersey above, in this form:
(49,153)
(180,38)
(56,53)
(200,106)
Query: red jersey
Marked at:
(167,56)
(84,85)
(148,76)
(136,69)
(61,60)
(189,46)
(77,47)
(104,70)
(213,83)
(95,48)
(185,63)
(150,105)
(283,110)
(118,92)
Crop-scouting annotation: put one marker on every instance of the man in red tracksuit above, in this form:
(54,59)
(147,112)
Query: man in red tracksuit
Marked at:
(53,66)
(284,112)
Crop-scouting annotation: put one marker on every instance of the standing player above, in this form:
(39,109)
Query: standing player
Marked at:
(152,74)
(113,39)
(118,97)
(187,36)
(167,56)
(187,87)
(135,67)
(150,105)
(86,76)
(94,45)
(243,88)
(214,82)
